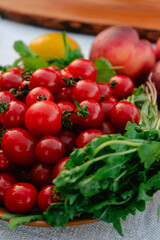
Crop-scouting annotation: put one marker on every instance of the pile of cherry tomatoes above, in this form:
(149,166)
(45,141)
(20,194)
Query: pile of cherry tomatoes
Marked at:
(44,115)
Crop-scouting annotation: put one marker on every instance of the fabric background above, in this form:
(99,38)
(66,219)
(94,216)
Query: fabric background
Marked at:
(142,226)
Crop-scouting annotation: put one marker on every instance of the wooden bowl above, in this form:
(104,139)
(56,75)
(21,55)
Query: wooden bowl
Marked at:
(42,223)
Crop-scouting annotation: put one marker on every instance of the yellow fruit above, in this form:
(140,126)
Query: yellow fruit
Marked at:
(51,45)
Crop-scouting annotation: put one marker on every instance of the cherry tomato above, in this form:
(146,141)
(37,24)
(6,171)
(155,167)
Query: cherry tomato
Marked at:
(121,86)
(105,90)
(83,68)
(19,146)
(21,197)
(45,197)
(14,116)
(6,96)
(66,106)
(45,77)
(95,117)
(64,94)
(107,128)
(43,118)
(6,181)
(59,166)
(69,140)
(107,105)
(10,80)
(86,89)
(50,149)
(64,73)
(6,165)
(122,112)
(38,94)
(87,136)
(23,90)
(111,99)
(41,174)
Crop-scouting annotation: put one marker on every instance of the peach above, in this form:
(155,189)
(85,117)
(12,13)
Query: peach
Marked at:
(122,47)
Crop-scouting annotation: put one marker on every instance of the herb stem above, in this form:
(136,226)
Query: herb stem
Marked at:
(108,143)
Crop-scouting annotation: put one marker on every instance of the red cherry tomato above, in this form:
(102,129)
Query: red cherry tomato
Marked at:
(66,106)
(69,140)
(6,96)
(19,146)
(50,149)
(64,94)
(105,90)
(95,117)
(59,166)
(44,77)
(107,105)
(123,112)
(43,118)
(6,165)
(10,80)
(23,89)
(13,117)
(38,94)
(107,128)
(87,136)
(86,89)
(41,174)
(45,197)
(64,73)
(121,86)
(6,181)
(21,197)
(83,68)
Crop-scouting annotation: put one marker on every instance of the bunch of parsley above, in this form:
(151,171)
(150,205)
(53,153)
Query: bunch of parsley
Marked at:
(109,178)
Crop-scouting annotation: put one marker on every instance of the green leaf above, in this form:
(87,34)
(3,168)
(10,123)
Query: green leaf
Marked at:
(34,63)
(104,70)
(153,182)
(142,195)
(118,227)
(17,221)
(23,49)
(149,153)
(10,215)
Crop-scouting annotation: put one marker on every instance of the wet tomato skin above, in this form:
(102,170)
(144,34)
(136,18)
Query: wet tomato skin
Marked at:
(43,118)
(50,149)
(105,89)
(59,166)
(41,174)
(93,119)
(14,116)
(83,68)
(45,77)
(44,197)
(38,94)
(6,165)
(19,146)
(122,112)
(107,128)
(21,197)
(69,139)
(10,80)
(87,136)
(86,89)
(6,96)
(6,181)
(121,86)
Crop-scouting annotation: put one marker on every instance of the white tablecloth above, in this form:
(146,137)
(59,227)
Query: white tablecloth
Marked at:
(142,226)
